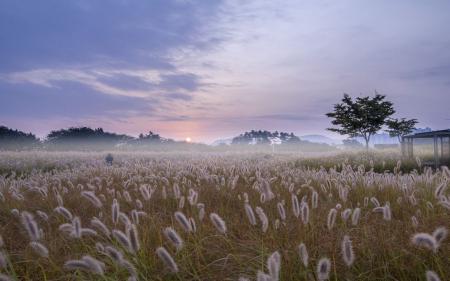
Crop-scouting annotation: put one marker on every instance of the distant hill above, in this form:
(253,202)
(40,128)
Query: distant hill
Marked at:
(226,141)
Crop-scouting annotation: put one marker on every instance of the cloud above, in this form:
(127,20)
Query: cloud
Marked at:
(68,100)
(189,82)
(133,83)
(286,117)
(178,96)
(127,82)
(125,34)
(440,71)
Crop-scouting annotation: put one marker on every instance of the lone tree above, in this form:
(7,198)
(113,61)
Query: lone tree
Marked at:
(399,128)
(362,117)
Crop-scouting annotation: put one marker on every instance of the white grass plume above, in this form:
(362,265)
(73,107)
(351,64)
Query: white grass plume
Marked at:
(39,249)
(263,218)
(323,269)
(99,247)
(387,213)
(167,259)
(218,223)
(414,221)
(76,228)
(64,212)
(99,225)
(331,219)
(261,276)
(4,277)
(425,240)
(440,189)
(445,204)
(66,227)
(347,251)
(95,265)
(42,215)
(250,214)
(59,200)
(135,216)
(82,265)
(355,216)
(315,200)
(304,211)
(123,239)
(375,202)
(201,211)
(274,265)
(295,205)
(432,276)
(114,254)
(91,197)
(127,197)
(115,210)
(133,236)
(3,260)
(173,237)
(303,253)
(193,224)
(145,193)
(345,215)
(281,211)
(440,234)
(124,219)
(30,226)
(183,221)
(130,268)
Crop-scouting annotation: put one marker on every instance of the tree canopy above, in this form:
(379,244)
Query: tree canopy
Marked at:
(265,137)
(362,117)
(15,139)
(399,128)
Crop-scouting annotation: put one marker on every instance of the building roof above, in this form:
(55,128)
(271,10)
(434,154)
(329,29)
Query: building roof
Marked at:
(432,134)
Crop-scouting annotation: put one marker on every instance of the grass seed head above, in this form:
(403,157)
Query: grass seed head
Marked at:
(218,223)
(167,259)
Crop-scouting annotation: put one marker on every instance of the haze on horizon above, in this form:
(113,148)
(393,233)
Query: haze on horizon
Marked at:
(213,69)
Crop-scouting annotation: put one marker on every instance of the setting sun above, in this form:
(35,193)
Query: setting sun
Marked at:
(188,139)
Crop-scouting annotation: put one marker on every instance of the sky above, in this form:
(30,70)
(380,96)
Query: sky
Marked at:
(214,69)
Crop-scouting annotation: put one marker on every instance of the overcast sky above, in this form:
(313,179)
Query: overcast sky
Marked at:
(213,69)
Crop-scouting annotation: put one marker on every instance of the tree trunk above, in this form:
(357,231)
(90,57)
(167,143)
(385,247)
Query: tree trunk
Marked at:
(367,139)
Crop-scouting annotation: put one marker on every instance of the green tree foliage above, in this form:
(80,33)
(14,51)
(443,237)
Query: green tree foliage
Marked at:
(362,117)
(399,128)
(151,139)
(84,138)
(265,137)
(16,140)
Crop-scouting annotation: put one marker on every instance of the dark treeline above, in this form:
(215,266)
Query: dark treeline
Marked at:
(85,138)
(77,138)
(13,139)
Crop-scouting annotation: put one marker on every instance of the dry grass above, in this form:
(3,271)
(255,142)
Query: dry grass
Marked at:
(382,248)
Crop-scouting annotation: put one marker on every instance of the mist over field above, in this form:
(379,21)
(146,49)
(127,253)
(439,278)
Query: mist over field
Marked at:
(224,140)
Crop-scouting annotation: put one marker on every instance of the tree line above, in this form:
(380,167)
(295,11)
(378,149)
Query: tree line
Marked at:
(74,138)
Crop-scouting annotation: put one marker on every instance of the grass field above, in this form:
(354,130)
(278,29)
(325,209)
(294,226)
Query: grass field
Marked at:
(69,216)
